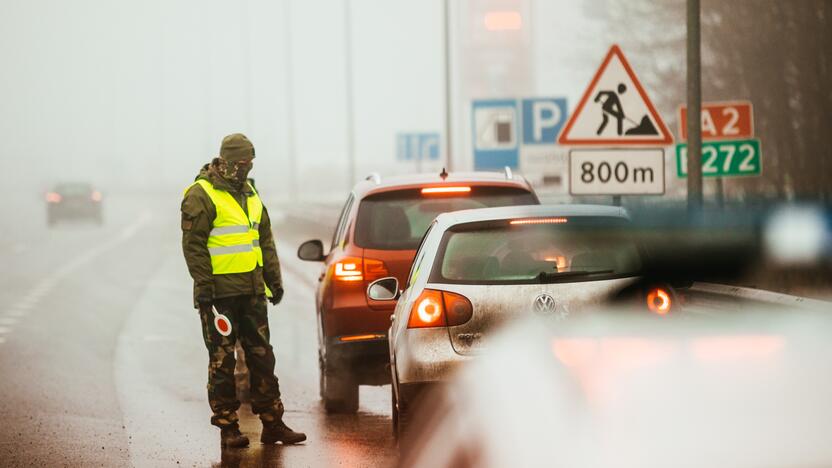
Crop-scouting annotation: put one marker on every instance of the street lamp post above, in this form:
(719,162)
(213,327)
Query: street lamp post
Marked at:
(290,101)
(349,93)
(446,7)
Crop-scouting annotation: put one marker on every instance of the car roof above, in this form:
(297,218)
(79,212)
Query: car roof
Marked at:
(447,220)
(376,184)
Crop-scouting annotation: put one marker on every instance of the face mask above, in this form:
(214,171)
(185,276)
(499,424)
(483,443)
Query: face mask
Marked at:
(236,171)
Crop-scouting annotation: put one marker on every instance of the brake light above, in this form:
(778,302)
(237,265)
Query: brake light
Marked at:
(428,311)
(357,269)
(439,309)
(349,269)
(659,301)
(96,196)
(53,197)
(445,190)
(539,221)
(503,21)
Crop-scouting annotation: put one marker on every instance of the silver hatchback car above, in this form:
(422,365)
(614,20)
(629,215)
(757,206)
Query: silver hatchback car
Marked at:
(477,269)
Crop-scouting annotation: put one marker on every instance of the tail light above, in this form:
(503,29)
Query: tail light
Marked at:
(659,301)
(439,309)
(458,308)
(357,269)
(446,190)
(539,221)
(53,197)
(349,269)
(96,196)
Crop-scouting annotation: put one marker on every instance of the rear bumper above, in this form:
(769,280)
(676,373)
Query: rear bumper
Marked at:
(366,360)
(74,210)
(349,314)
(424,356)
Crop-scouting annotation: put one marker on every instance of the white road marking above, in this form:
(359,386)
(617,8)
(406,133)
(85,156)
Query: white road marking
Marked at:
(5,330)
(45,286)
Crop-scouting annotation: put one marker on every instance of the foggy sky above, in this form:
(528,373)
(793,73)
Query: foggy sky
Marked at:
(138,95)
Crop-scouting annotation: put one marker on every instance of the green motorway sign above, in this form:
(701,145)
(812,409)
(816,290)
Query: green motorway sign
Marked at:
(723,158)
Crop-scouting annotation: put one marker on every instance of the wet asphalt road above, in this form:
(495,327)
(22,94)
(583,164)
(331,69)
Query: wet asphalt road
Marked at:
(103,362)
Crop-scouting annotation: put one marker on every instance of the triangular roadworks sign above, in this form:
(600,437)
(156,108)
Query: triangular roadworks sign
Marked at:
(615,110)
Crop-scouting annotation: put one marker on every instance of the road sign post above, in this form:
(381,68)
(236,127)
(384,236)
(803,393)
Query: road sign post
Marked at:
(694,161)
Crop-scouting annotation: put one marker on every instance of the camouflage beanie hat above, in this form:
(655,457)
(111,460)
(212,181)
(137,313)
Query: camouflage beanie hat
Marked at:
(236,147)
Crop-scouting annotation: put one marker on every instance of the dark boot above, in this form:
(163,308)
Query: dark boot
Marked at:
(278,431)
(230,436)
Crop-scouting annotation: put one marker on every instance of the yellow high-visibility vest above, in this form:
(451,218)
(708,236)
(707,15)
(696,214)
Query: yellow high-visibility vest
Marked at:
(234,241)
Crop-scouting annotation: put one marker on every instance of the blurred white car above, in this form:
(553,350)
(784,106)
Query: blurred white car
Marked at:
(477,269)
(611,389)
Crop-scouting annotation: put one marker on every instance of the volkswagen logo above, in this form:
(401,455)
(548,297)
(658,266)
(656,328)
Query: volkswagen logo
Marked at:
(544,304)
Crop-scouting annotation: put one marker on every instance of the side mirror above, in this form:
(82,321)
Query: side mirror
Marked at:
(311,251)
(384,289)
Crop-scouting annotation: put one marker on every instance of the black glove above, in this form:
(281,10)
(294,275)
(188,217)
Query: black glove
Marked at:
(277,295)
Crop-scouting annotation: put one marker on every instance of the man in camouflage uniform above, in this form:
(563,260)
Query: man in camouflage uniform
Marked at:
(240,296)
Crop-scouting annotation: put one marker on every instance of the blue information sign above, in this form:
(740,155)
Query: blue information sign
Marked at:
(417,146)
(495,124)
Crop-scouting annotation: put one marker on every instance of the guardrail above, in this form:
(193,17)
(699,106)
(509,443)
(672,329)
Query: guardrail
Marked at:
(758,295)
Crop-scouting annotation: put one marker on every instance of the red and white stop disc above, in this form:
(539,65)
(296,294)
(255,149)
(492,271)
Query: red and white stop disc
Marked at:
(221,323)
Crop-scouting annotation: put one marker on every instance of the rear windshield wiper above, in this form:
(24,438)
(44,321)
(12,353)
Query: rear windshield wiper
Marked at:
(556,276)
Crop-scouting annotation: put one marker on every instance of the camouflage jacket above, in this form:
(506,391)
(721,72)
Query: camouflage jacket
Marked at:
(198,214)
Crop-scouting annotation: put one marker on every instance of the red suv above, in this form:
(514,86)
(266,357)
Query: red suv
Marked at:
(377,234)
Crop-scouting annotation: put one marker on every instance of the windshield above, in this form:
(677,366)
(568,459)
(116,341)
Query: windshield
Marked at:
(580,249)
(398,220)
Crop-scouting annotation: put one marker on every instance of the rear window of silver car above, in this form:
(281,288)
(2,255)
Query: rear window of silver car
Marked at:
(397,220)
(562,250)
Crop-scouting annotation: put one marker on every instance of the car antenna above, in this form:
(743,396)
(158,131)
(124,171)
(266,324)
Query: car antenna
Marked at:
(444,174)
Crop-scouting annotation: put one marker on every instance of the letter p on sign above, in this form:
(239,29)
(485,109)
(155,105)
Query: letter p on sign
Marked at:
(542,120)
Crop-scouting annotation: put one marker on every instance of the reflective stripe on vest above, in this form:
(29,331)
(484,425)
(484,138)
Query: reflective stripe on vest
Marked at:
(234,240)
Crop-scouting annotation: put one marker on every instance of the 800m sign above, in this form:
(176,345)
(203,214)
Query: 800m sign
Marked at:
(616,172)
(723,158)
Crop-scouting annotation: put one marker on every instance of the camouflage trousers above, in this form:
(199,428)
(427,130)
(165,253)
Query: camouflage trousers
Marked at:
(249,324)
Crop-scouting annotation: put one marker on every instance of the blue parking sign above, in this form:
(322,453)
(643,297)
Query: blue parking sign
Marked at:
(542,120)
